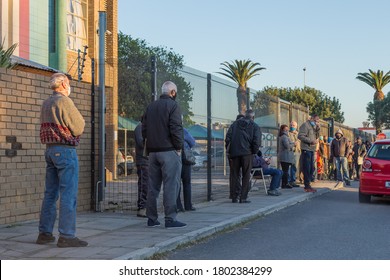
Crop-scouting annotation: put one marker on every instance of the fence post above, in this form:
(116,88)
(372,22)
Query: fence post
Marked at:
(208,137)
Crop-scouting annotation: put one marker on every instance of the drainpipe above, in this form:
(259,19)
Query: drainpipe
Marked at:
(102,109)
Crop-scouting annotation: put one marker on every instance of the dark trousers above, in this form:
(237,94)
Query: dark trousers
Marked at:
(186,180)
(285,168)
(307,167)
(232,182)
(143,178)
(243,164)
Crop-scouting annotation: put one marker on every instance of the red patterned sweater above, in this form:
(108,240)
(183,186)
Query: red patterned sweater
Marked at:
(61,122)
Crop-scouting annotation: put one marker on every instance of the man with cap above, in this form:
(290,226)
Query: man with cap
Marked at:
(243,140)
(338,151)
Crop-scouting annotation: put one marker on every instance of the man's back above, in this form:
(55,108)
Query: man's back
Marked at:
(243,137)
(162,126)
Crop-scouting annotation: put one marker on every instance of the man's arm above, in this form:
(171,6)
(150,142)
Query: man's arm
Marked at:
(176,127)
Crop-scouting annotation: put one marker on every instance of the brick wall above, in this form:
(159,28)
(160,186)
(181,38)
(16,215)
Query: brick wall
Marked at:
(22,164)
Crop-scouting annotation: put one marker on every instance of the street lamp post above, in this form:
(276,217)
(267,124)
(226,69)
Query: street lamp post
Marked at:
(304,77)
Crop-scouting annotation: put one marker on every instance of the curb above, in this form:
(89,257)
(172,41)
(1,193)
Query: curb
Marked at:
(173,243)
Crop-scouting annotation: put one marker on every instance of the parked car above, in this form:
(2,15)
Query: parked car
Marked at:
(122,162)
(375,177)
(200,161)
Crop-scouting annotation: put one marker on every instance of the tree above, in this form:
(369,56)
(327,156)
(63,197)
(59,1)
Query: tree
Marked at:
(379,112)
(134,77)
(5,55)
(318,102)
(241,71)
(375,80)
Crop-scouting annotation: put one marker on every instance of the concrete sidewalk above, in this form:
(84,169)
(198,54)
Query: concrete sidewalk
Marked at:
(125,236)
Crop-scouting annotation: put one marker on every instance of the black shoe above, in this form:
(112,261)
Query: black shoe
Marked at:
(245,201)
(234,200)
(152,223)
(179,210)
(287,187)
(71,242)
(44,238)
(191,209)
(174,224)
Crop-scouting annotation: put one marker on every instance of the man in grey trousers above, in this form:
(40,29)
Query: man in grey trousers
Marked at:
(163,132)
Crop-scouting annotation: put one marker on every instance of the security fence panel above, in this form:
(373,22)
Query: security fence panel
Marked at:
(284,113)
(266,110)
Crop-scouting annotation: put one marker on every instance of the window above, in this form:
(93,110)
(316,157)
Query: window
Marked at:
(76,21)
(381,151)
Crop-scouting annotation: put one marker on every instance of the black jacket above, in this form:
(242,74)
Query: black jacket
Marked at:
(162,126)
(140,159)
(243,138)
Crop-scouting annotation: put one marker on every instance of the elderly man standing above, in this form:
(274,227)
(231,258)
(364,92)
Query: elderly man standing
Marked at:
(242,142)
(309,132)
(163,132)
(294,168)
(61,128)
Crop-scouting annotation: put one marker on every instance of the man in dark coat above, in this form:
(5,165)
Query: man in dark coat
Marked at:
(163,130)
(142,163)
(242,141)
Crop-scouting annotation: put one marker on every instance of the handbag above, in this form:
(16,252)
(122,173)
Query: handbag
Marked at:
(360,160)
(188,156)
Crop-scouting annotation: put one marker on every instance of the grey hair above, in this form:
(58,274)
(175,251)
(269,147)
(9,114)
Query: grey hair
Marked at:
(167,87)
(56,80)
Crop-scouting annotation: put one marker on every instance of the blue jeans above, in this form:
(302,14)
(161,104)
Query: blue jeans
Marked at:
(276,175)
(164,168)
(62,176)
(342,168)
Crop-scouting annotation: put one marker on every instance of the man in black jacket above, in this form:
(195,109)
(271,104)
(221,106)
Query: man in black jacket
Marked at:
(142,163)
(162,128)
(242,142)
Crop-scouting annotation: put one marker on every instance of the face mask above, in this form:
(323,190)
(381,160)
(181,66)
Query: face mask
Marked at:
(292,128)
(321,138)
(313,123)
(338,136)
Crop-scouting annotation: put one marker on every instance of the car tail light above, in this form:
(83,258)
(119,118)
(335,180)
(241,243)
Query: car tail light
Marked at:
(367,165)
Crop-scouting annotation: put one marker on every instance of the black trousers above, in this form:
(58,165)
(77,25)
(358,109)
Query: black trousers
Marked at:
(285,168)
(240,186)
(143,179)
(186,179)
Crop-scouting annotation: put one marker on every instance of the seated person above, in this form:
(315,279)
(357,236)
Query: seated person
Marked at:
(276,174)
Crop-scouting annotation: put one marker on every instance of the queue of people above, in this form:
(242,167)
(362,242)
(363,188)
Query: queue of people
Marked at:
(160,141)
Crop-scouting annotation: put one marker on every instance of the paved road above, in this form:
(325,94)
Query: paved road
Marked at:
(333,226)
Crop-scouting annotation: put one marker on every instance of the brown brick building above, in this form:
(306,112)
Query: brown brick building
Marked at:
(23,89)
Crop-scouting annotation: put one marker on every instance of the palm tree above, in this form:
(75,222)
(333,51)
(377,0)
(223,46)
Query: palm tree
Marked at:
(5,55)
(376,81)
(240,71)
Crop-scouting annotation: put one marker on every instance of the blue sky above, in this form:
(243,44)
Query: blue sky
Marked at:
(333,39)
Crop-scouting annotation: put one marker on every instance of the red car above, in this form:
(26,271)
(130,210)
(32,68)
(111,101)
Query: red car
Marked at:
(375,177)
